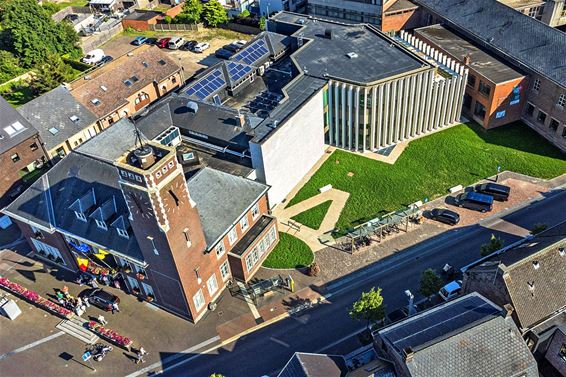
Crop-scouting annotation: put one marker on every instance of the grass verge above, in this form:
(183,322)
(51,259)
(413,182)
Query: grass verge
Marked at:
(290,252)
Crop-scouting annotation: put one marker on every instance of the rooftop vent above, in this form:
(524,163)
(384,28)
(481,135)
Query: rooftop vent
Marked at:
(87,77)
(352,55)
(408,353)
(74,118)
(328,33)
(192,107)
(145,64)
(536,265)
(95,101)
(162,62)
(130,54)
(301,21)
(53,131)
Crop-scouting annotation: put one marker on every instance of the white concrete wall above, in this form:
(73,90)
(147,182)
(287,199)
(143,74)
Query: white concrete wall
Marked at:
(284,158)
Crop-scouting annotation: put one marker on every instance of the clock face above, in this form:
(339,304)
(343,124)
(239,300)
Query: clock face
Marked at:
(139,204)
(174,197)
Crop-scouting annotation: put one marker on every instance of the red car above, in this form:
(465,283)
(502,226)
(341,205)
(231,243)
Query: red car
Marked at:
(162,43)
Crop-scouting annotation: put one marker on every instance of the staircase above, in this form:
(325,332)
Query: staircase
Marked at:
(75,328)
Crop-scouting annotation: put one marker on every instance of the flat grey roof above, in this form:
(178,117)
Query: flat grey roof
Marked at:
(508,33)
(51,114)
(112,142)
(11,136)
(378,56)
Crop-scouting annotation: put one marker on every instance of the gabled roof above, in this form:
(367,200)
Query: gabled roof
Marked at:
(221,200)
(14,128)
(507,32)
(460,338)
(314,365)
(57,115)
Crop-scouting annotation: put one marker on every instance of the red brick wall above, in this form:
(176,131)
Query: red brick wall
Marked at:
(138,25)
(399,21)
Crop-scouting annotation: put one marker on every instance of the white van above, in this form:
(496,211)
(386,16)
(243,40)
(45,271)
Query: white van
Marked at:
(175,43)
(93,57)
(451,290)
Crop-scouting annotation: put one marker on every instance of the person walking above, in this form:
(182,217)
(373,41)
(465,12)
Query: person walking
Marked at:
(140,354)
(115,307)
(102,320)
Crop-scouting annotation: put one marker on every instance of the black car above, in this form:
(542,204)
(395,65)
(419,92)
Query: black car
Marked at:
(106,59)
(150,41)
(100,298)
(499,192)
(188,46)
(232,47)
(445,216)
(475,201)
(223,54)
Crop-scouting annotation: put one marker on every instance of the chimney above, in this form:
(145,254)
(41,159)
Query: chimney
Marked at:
(240,120)
(408,353)
(467,60)
(508,310)
(145,156)
(328,33)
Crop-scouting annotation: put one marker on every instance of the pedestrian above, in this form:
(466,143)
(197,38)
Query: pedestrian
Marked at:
(102,320)
(59,294)
(86,302)
(79,301)
(139,355)
(65,291)
(115,307)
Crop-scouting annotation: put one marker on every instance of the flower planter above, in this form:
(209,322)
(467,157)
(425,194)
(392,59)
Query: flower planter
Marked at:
(35,298)
(110,335)
(149,298)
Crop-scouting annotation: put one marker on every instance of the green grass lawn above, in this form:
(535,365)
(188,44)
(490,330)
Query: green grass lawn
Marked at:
(462,154)
(290,252)
(313,217)
(17,93)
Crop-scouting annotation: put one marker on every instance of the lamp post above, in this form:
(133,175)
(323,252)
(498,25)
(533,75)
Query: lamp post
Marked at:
(411,307)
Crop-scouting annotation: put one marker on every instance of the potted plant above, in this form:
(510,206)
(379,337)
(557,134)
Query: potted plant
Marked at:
(126,269)
(314,269)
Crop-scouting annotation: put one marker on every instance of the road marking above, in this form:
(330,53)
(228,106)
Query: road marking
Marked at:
(175,357)
(249,301)
(340,340)
(286,345)
(31,345)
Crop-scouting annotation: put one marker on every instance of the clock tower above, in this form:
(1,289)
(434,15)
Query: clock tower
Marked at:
(166,225)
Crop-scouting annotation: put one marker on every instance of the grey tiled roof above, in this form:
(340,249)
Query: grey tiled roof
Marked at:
(55,109)
(9,116)
(48,200)
(531,43)
(314,365)
(112,143)
(221,200)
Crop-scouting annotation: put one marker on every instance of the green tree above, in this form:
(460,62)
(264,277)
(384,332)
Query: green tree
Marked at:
(369,307)
(216,375)
(262,23)
(430,283)
(50,74)
(214,14)
(537,228)
(245,13)
(191,13)
(31,35)
(494,244)
(9,66)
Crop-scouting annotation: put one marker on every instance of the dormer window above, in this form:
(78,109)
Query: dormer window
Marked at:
(101,224)
(122,233)
(74,118)
(95,101)
(80,216)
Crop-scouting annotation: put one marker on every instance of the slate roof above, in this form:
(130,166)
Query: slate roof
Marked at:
(113,76)
(482,344)
(535,293)
(142,15)
(507,32)
(112,143)
(54,110)
(221,200)
(21,132)
(75,177)
(314,365)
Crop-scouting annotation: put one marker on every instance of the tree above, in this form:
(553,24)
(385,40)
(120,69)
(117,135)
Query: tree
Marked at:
(430,283)
(191,13)
(214,14)
(537,228)
(369,307)
(216,375)
(9,66)
(494,244)
(50,74)
(262,23)
(245,13)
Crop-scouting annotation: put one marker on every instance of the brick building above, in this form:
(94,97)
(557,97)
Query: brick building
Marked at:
(21,153)
(167,238)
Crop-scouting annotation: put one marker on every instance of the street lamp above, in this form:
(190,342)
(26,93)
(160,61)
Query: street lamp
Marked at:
(411,307)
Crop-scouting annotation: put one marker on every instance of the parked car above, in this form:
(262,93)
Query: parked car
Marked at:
(499,192)
(162,43)
(188,46)
(106,59)
(93,57)
(222,53)
(232,47)
(451,290)
(475,201)
(150,41)
(175,43)
(201,47)
(240,43)
(445,216)
(138,41)
(100,298)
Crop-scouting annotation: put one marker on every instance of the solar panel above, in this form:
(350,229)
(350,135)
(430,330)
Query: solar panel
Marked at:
(252,53)
(207,85)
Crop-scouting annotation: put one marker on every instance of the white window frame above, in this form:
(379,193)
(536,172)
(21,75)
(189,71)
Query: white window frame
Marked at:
(101,224)
(244,223)
(561,100)
(536,85)
(49,250)
(123,233)
(255,211)
(198,300)
(225,271)
(80,216)
(212,283)
(232,236)
(220,249)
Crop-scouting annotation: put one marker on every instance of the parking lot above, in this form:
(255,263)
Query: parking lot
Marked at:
(191,62)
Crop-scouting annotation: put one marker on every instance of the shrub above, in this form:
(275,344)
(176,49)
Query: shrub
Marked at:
(314,269)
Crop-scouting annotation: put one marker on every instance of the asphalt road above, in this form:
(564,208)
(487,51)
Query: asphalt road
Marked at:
(266,351)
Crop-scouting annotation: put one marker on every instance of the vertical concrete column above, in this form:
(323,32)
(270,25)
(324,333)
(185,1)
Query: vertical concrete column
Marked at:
(429,94)
(461,96)
(407,106)
(330,113)
(365,110)
(415,130)
(337,113)
(455,98)
(343,98)
(350,109)
(438,104)
(377,137)
(445,101)
(387,99)
(357,108)
(398,113)
(408,132)
(433,101)
(451,99)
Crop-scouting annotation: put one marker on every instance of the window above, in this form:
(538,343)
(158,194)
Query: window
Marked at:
(80,216)
(467,101)
(541,118)
(164,170)
(225,270)
(174,80)
(480,110)
(122,262)
(33,147)
(139,269)
(212,285)
(48,251)
(232,236)
(244,223)
(472,81)
(15,157)
(255,211)
(484,89)
(220,249)
(536,85)
(561,100)
(122,233)
(260,249)
(101,224)
(530,110)
(198,300)
(553,124)
(171,164)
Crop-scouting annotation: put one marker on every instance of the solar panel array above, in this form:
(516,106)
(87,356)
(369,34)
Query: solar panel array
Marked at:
(252,53)
(453,316)
(208,85)
(238,70)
